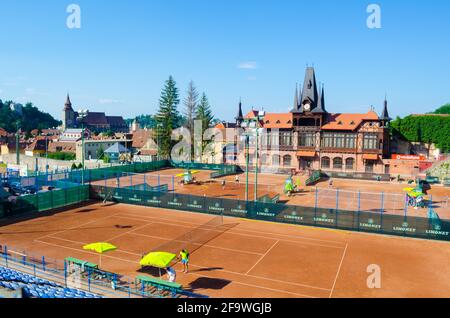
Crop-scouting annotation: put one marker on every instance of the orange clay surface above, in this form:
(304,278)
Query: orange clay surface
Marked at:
(251,259)
(272,185)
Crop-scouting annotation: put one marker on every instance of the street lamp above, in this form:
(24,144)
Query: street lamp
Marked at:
(82,114)
(253,131)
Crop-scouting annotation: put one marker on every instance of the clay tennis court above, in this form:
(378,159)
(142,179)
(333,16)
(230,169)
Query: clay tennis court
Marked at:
(272,185)
(246,258)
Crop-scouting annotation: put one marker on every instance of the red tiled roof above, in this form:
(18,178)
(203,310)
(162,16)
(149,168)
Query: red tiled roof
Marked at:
(252,114)
(3,133)
(348,121)
(94,118)
(140,138)
(281,120)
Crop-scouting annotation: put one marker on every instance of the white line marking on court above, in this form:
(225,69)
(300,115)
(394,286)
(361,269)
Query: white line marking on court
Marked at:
(235,231)
(205,245)
(87,252)
(339,270)
(265,254)
(261,287)
(76,227)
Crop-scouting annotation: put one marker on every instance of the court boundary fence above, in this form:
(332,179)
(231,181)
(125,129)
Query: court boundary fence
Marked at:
(358,221)
(98,282)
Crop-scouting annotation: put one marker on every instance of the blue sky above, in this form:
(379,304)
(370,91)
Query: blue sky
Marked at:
(125,50)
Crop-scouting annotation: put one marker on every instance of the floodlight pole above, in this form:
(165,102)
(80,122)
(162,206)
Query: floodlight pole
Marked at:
(82,150)
(247,158)
(256,167)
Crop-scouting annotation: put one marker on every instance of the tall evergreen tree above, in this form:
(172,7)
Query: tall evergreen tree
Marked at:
(204,114)
(167,116)
(190,109)
(190,105)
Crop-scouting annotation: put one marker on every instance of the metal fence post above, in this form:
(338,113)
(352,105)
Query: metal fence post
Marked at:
(406,205)
(65,273)
(316,199)
(43,263)
(6,255)
(337,200)
(382,202)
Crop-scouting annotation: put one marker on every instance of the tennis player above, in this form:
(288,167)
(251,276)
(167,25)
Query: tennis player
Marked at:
(184,255)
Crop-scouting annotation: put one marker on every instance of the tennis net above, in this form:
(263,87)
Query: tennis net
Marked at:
(196,238)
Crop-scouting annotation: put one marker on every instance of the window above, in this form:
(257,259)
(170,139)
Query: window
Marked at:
(287,160)
(350,141)
(306,140)
(337,163)
(339,140)
(327,140)
(285,139)
(276,160)
(265,159)
(370,141)
(349,163)
(325,163)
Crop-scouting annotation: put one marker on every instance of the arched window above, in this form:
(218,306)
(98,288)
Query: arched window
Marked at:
(276,160)
(337,163)
(325,163)
(265,159)
(349,163)
(287,161)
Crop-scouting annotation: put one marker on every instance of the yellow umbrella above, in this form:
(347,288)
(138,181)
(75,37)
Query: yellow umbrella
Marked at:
(157,259)
(100,248)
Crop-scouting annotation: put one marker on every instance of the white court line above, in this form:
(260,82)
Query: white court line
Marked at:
(205,245)
(268,251)
(257,286)
(193,265)
(339,270)
(139,217)
(76,227)
(87,252)
(252,235)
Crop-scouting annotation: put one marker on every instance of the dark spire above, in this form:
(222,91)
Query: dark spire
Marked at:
(68,104)
(309,94)
(321,103)
(296,104)
(385,114)
(240,116)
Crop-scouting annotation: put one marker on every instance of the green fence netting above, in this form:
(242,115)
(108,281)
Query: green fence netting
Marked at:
(44,201)
(379,223)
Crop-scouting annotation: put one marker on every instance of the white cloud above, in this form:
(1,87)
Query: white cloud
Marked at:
(105,101)
(248,66)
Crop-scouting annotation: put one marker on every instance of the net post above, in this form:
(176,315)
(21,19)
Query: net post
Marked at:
(337,199)
(316,199)
(382,202)
(406,205)
(43,263)
(159,180)
(173,183)
(359,201)
(145,182)
(430,207)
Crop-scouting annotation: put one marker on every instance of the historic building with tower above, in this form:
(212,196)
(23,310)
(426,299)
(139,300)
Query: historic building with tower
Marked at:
(94,121)
(311,138)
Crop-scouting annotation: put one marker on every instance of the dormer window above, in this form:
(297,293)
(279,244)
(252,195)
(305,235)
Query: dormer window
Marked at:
(340,123)
(278,122)
(352,122)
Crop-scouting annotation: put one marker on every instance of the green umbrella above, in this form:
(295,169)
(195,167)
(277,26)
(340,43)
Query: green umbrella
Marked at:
(157,259)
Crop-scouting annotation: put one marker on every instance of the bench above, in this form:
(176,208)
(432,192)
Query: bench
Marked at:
(83,264)
(432,180)
(174,288)
(446,182)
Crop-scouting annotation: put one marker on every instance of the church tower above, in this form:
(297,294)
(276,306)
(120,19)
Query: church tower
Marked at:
(68,118)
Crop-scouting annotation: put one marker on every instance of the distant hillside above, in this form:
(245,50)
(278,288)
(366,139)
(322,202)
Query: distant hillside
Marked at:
(426,128)
(28,119)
